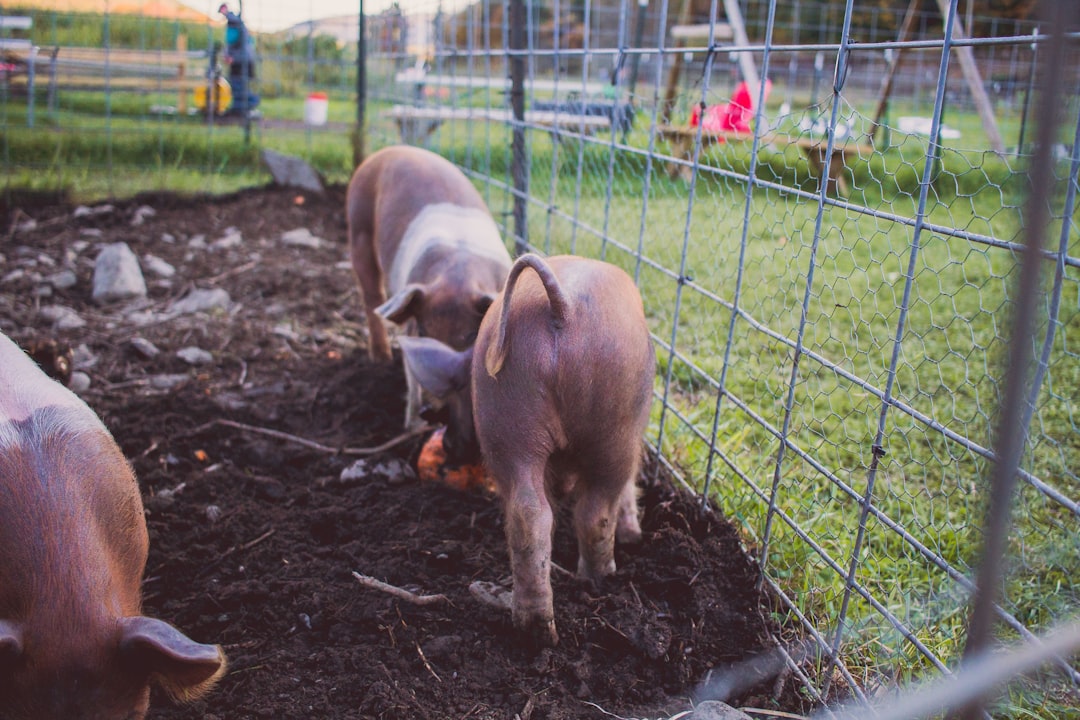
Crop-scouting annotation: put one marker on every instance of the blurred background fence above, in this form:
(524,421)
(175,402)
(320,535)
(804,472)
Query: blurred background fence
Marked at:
(825,204)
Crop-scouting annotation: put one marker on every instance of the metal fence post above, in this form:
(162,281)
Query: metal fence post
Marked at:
(518,165)
(361,88)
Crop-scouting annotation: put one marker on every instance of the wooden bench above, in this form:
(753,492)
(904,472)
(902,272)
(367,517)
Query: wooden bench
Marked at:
(88,68)
(682,139)
(417,123)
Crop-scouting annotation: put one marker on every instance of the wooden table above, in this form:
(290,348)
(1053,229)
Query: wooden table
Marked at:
(682,139)
(417,123)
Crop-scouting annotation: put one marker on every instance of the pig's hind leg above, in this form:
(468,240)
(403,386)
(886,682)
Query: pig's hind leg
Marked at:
(605,507)
(529,525)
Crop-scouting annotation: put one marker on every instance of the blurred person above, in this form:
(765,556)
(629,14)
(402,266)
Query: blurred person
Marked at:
(240,57)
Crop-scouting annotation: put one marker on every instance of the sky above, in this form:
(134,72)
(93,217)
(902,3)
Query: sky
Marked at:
(273,15)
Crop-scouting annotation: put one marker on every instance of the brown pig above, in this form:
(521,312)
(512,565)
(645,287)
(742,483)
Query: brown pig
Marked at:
(561,389)
(73,642)
(427,255)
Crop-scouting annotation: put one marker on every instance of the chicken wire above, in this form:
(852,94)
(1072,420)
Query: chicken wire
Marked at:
(832,354)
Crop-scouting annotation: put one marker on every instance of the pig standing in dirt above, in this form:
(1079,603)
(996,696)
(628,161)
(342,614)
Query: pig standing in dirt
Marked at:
(420,233)
(561,390)
(73,546)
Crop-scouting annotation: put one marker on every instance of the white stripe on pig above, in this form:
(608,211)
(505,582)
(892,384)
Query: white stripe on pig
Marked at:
(445,225)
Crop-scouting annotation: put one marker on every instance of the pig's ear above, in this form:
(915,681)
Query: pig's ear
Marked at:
(10,643)
(403,305)
(440,369)
(184,668)
(483,303)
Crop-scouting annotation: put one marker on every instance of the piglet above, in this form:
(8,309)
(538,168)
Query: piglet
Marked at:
(427,255)
(561,388)
(73,545)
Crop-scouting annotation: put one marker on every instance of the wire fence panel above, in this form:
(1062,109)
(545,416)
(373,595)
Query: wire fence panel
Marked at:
(825,204)
(829,259)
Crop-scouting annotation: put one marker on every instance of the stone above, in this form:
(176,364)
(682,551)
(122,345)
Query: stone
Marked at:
(157,266)
(62,317)
(199,300)
(291,171)
(144,347)
(231,239)
(301,237)
(117,275)
(62,280)
(80,382)
(716,710)
(84,358)
(195,356)
(84,211)
(141,213)
(168,382)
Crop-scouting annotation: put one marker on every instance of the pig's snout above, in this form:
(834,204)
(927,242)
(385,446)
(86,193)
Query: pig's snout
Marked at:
(460,448)
(435,415)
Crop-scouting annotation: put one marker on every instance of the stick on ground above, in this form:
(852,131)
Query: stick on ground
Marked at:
(399,593)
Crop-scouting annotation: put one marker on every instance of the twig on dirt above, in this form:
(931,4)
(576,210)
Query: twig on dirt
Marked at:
(772,713)
(559,568)
(153,446)
(256,541)
(243,372)
(229,273)
(235,548)
(311,444)
(424,660)
(676,716)
(613,629)
(399,593)
(138,382)
(490,594)
(637,598)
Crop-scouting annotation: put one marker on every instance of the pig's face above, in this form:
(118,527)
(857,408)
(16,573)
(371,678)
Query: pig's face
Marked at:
(445,373)
(83,676)
(75,692)
(442,312)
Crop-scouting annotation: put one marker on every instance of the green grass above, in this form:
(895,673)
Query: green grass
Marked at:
(92,151)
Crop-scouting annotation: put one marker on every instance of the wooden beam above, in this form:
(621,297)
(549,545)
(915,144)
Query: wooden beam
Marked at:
(890,76)
(675,70)
(974,81)
(720,31)
(746,59)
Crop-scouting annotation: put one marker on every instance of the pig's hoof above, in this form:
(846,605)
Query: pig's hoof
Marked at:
(627,532)
(539,633)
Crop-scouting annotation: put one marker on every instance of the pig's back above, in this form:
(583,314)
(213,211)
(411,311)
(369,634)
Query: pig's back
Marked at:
(599,366)
(71,518)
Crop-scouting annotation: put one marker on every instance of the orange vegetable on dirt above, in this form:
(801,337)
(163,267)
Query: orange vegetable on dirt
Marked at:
(432,467)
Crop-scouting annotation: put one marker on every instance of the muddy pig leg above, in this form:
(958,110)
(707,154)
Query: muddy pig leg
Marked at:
(369,277)
(529,525)
(606,506)
(627,526)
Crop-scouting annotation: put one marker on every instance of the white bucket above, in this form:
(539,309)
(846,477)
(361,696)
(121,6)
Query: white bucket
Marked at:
(316,108)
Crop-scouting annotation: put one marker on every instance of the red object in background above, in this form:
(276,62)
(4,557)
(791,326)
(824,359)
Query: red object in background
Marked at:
(733,117)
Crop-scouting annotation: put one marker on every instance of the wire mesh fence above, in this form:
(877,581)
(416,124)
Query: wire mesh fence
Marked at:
(825,205)
(826,216)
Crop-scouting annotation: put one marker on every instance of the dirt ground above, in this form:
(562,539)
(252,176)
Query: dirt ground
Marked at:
(254,538)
